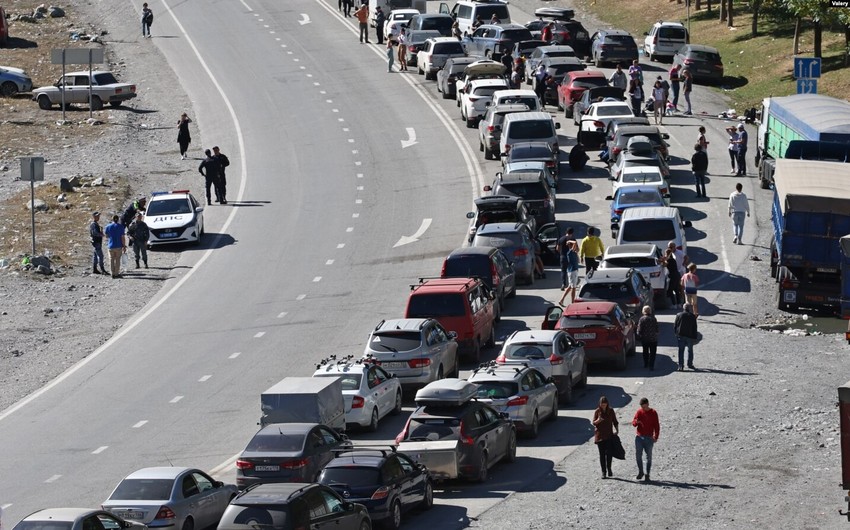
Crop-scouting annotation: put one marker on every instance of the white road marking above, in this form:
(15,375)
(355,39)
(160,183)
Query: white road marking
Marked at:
(355,215)
(289,53)
(340,119)
(350,229)
(204,378)
(316,83)
(345,129)
(354,151)
(100,449)
(360,188)
(265,25)
(271,32)
(175,399)
(284,46)
(340,245)
(329,101)
(302,67)
(358,201)
(309,75)
(281,314)
(351,140)
(234,355)
(334,110)
(305,19)
(317,279)
(54,478)
(224,466)
(248,8)
(296,59)
(5,506)
(404,240)
(301,297)
(277,39)
(358,163)
(411,138)
(360,175)
(259,334)
(329,262)
(143,422)
(323,92)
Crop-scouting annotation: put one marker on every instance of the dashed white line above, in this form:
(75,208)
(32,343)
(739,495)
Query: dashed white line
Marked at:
(277,39)
(143,422)
(309,75)
(340,119)
(264,25)
(329,101)
(355,215)
(302,67)
(204,378)
(340,245)
(345,129)
(329,262)
(301,297)
(317,279)
(316,83)
(100,449)
(351,140)
(296,59)
(323,92)
(272,32)
(350,229)
(283,46)
(360,188)
(358,163)
(235,355)
(360,175)
(175,399)
(334,110)
(281,314)
(54,478)
(358,201)
(354,151)
(259,334)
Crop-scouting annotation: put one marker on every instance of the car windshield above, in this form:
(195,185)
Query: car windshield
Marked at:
(467,266)
(532,129)
(709,57)
(396,341)
(499,240)
(438,23)
(168,207)
(585,321)
(561,69)
(531,152)
(613,110)
(620,40)
(624,138)
(531,191)
(276,442)
(43,525)
(641,178)
(436,304)
(629,262)
(528,101)
(639,197)
(649,230)
(529,351)
(143,489)
(105,78)
(590,82)
(255,517)
(496,216)
(457,68)
(496,389)
(348,381)
(433,429)
(351,476)
(561,53)
(672,33)
(448,47)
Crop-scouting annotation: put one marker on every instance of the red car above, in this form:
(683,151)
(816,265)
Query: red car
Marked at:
(574,85)
(607,332)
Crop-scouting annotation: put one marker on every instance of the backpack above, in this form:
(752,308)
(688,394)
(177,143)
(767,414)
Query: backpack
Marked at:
(149,18)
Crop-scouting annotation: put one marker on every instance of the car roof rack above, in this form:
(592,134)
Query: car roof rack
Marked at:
(384,450)
(332,360)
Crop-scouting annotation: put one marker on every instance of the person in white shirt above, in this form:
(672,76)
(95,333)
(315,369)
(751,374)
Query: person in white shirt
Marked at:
(738,206)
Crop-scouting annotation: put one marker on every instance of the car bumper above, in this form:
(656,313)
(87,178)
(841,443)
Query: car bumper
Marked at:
(602,353)
(618,57)
(181,235)
(360,417)
(121,97)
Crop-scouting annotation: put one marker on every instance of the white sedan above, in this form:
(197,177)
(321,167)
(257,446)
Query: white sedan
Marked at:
(475,98)
(369,392)
(396,18)
(647,176)
(174,217)
(594,121)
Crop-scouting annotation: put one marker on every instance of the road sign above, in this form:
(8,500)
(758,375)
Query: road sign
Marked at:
(76,55)
(807,86)
(806,67)
(32,168)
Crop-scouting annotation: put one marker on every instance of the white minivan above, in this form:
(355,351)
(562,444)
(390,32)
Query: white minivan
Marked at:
(528,127)
(655,224)
(465,12)
(664,40)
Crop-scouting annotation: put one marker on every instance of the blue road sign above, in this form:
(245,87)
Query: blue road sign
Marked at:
(807,86)
(806,67)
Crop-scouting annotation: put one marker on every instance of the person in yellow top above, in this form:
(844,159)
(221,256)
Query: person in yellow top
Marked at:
(591,250)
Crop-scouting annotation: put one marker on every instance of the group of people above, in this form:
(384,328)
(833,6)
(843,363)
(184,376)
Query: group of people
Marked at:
(213,167)
(132,225)
(660,102)
(606,437)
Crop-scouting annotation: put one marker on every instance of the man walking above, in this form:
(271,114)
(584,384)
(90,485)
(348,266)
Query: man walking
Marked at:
(618,78)
(741,142)
(362,15)
(674,85)
(223,162)
(210,169)
(699,165)
(739,205)
(591,250)
(115,243)
(96,235)
(685,327)
(380,19)
(647,429)
(139,235)
(147,20)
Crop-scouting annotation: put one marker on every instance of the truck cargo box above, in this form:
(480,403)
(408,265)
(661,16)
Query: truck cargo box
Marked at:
(304,400)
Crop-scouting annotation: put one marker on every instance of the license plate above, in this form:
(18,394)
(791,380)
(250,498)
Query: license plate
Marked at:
(394,366)
(130,515)
(584,336)
(267,468)
(166,235)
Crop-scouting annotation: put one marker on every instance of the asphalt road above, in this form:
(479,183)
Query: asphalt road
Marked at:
(307,259)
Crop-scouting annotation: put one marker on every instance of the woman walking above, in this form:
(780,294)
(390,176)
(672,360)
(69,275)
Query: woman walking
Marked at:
(687,87)
(733,148)
(647,332)
(605,421)
(636,94)
(183,136)
(659,105)
(690,284)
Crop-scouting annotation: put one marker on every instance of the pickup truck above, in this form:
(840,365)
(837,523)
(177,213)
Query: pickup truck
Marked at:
(104,89)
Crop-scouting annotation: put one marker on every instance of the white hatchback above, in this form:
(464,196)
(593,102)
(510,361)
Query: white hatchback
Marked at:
(476,97)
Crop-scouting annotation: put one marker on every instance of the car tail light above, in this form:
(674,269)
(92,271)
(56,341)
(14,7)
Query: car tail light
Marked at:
(403,434)
(244,464)
(473,99)
(520,252)
(419,363)
(357,402)
(788,283)
(494,275)
(501,358)
(465,439)
(619,211)
(555,359)
(634,301)
(295,464)
(655,39)
(612,332)
(603,46)
(664,191)
(718,66)
(380,493)
(165,513)
(518,401)
(616,151)
(490,128)
(550,163)
(655,274)
(565,35)
(443,270)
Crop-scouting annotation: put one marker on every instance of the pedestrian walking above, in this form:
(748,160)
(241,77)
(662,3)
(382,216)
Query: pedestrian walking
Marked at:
(636,95)
(674,279)
(96,236)
(647,332)
(741,158)
(647,429)
(131,210)
(701,139)
(606,427)
(380,19)
(699,165)
(362,15)
(347,5)
(659,102)
(733,148)
(402,50)
(636,73)
(687,87)
(115,243)
(390,55)
(562,248)
(685,327)
(139,235)
(223,162)
(619,79)
(147,20)
(674,84)
(183,137)
(739,210)
(210,169)
(591,250)
(572,273)
(690,285)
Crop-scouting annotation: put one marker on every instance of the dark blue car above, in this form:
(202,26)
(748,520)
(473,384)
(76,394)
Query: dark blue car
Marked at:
(632,197)
(386,482)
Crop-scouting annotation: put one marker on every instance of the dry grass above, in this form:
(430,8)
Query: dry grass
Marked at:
(755,67)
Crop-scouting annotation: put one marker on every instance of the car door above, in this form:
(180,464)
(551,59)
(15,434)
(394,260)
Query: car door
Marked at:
(532,388)
(548,392)
(506,272)
(393,478)
(211,500)
(191,504)
(551,317)
(80,89)
(548,235)
(568,348)
(386,391)
(376,390)
(495,432)
(413,481)
(327,511)
(330,441)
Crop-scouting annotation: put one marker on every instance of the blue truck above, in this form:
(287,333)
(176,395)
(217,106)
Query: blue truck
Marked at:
(811,213)
(803,126)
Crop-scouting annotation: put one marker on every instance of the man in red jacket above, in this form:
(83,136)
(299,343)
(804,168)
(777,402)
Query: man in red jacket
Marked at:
(647,429)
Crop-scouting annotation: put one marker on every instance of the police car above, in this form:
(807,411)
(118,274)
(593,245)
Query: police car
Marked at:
(174,217)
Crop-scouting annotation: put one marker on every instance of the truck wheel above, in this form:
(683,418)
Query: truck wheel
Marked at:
(96,103)
(44,103)
(773,264)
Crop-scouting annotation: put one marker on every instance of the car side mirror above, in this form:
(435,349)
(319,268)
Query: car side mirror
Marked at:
(557,125)
(550,379)
(646,33)
(217,483)
(609,198)
(688,224)
(504,415)
(665,136)
(667,196)
(611,178)
(199,209)
(580,344)
(470,215)
(452,335)
(488,188)
(615,227)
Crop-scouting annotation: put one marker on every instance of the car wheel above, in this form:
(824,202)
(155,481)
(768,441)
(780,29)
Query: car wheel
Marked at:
(44,103)
(446,96)
(582,380)
(8,89)
(189,524)
(96,103)
(470,123)
(365,525)
(567,394)
(530,280)
(560,105)
(575,121)
(394,520)
(534,431)
(554,414)
(428,497)
(512,294)
(476,352)
(373,423)
(397,408)
(491,340)
(633,348)
(419,70)
(620,364)
(497,309)
(482,467)
(510,456)
(481,147)
(596,62)
(568,111)
(488,154)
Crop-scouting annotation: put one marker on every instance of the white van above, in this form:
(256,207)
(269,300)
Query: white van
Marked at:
(528,127)
(655,224)
(665,39)
(465,12)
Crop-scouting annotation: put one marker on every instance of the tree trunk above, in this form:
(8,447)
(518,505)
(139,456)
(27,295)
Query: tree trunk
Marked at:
(708,6)
(699,5)
(756,7)
(818,38)
(729,15)
(797,25)
(846,45)
(722,10)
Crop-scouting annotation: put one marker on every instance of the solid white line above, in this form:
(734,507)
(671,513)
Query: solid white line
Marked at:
(175,399)
(191,272)
(259,334)
(4,506)
(54,478)
(204,378)
(301,297)
(139,424)
(248,7)
(317,279)
(100,449)
(224,466)
(235,355)
(281,315)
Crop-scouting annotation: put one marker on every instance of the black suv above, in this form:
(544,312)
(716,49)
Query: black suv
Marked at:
(387,483)
(566,31)
(613,46)
(532,188)
(486,263)
(626,287)
(501,209)
(291,507)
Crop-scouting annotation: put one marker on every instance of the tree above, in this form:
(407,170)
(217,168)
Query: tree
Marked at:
(756,6)
(722,10)
(729,15)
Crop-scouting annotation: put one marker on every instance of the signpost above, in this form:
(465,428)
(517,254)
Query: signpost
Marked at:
(807,72)
(32,169)
(65,56)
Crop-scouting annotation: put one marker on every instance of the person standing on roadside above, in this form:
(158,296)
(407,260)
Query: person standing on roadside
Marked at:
(636,95)
(699,165)
(739,210)
(647,429)
(606,425)
(96,236)
(701,140)
(687,87)
(674,279)
(223,162)
(647,332)
(690,285)
(741,142)
(681,262)
(115,243)
(390,55)
(139,235)
(402,50)
(659,102)
(685,327)
(674,85)
(619,79)
(210,169)
(591,250)
(733,148)
(147,20)
(362,15)
(562,248)
(380,19)
(183,137)
(131,211)
(636,73)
